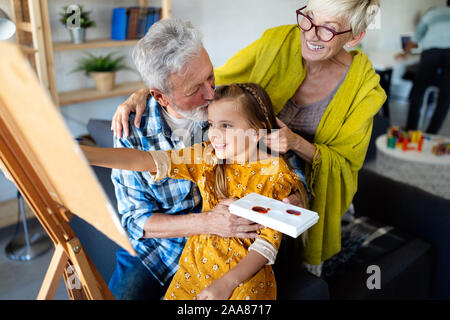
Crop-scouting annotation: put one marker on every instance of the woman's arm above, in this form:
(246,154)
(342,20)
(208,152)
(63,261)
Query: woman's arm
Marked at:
(135,103)
(222,288)
(120,158)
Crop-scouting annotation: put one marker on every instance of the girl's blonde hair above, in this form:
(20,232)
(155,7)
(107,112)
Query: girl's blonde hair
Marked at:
(359,13)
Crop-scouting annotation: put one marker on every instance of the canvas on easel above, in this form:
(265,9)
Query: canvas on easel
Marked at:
(52,174)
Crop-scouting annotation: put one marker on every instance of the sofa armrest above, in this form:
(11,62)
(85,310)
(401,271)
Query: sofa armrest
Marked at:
(412,210)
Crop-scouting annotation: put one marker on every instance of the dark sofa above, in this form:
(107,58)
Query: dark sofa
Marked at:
(423,217)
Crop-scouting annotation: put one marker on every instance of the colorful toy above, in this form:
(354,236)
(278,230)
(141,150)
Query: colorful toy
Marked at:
(402,139)
(441,149)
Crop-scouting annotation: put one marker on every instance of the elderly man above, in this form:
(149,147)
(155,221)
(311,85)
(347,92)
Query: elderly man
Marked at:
(160,214)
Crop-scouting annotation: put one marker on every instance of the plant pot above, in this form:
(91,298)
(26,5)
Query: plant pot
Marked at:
(104,81)
(78,35)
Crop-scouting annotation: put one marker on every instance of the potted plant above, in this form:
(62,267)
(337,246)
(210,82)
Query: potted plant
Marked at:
(77,20)
(102,68)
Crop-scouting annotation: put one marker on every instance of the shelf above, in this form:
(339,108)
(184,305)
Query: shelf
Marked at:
(97,43)
(91,94)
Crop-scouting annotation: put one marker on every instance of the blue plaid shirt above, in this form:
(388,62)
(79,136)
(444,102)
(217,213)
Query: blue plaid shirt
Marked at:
(139,195)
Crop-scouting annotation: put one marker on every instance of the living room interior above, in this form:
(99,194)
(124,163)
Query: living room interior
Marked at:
(403,189)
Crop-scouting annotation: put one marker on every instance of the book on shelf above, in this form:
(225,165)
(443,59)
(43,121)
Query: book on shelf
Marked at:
(153,15)
(133,22)
(133,19)
(142,22)
(119,24)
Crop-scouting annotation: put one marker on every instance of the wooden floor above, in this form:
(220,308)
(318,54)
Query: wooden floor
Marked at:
(21,280)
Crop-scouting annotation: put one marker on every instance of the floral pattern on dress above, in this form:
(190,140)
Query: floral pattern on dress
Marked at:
(209,257)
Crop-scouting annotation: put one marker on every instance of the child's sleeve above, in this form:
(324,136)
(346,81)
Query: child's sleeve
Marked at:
(269,240)
(186,163)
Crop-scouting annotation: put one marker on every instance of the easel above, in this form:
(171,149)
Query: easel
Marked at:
(48,176)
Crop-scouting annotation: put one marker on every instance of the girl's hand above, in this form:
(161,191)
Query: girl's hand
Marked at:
(220,289)
(135,103)
(282,140)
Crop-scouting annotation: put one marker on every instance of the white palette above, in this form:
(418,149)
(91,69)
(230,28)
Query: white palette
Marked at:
(277,216)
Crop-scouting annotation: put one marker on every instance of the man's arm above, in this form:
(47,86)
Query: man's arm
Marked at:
(217,221)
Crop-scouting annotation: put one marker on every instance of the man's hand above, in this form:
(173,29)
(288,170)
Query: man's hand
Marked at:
(135,103)
(221,222)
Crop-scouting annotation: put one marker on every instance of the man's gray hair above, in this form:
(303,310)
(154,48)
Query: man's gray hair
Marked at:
(166,48)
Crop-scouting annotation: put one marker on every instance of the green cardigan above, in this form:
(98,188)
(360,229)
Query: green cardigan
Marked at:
(275,62)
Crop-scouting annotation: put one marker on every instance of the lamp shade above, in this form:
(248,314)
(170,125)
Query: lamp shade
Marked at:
(7,27)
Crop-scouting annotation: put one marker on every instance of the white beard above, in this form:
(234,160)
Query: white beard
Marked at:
(198,114)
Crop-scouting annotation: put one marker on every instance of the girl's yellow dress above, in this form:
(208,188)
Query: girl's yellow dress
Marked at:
(206,258)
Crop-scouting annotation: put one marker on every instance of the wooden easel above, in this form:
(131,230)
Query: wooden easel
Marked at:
(51,174)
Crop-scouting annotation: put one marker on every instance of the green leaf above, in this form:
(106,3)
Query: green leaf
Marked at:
(91,63)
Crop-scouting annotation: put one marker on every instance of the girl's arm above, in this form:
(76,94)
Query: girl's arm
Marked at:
(222,288)
(120,158)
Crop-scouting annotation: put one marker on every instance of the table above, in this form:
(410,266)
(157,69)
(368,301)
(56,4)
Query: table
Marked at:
(421,169)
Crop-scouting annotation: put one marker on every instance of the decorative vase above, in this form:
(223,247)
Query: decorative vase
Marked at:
(78,35)
(104,81)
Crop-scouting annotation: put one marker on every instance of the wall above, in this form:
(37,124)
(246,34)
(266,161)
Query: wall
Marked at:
(227,26)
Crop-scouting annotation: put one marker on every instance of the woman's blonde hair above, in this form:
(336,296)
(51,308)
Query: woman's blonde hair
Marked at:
(359,13)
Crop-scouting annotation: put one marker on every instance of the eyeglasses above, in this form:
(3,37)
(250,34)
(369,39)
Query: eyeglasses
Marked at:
(323,33)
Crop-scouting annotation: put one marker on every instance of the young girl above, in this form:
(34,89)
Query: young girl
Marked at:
(230,165)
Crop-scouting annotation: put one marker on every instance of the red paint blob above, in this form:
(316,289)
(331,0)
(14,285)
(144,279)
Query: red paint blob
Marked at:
(260,209)
(294,212)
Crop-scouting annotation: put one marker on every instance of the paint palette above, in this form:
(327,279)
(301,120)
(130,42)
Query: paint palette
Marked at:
(280,216)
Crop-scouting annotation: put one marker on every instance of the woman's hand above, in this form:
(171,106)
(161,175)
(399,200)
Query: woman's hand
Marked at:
(135,103)
(220,289)
(285,139)
(282,140)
